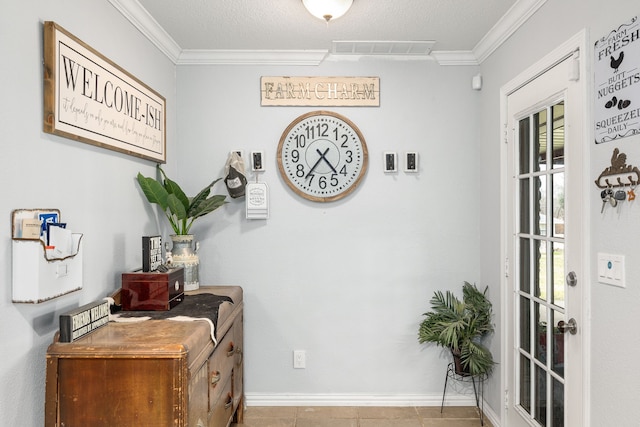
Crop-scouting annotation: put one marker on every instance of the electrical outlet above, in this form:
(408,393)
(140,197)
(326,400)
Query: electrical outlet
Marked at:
(299,359)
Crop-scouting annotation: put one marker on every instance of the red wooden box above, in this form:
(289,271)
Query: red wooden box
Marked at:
(152,291)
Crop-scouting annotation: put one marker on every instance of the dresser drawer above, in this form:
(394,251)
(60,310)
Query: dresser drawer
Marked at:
(220,366)
(223,407)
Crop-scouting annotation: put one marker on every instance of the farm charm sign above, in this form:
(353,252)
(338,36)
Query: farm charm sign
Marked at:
(617,83)
(320,91)
(89,98)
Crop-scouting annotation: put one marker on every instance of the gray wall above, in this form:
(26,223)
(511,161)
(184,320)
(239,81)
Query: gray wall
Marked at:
(346,281)
(94,188)
(612,311)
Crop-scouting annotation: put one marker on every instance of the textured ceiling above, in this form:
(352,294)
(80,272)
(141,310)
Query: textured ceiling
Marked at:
(454,25)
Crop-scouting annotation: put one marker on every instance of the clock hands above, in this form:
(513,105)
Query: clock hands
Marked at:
(325,159)
(322,157)
(316,164)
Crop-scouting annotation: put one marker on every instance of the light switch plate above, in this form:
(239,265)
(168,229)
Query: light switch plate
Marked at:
(411,162)
(390,162)
(257,161)
(611,269)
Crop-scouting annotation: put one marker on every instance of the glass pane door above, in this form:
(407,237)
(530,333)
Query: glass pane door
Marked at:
(540,249)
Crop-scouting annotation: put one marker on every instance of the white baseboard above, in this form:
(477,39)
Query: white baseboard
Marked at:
(292,399)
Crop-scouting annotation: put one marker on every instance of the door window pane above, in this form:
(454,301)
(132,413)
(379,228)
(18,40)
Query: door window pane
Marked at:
(525,324)
(525,265)
(540,201)
(558,284)
(541,396)
(540,325)
(558,344)
(540,140)
(557,210)
(525,206)
(557,412)
(541,260)
(557,138)
(525,383)
(524,134)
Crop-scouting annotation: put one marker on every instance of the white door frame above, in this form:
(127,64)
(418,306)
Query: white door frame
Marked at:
(578,42)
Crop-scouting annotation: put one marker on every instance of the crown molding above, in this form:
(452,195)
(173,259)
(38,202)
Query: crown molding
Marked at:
(132,10)
(251,57)
(455,57)
(515,17)
(148,26)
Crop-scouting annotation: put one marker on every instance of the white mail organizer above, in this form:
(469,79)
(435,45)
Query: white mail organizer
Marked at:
(39,273)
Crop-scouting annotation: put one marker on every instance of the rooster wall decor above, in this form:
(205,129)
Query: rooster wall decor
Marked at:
(619,174)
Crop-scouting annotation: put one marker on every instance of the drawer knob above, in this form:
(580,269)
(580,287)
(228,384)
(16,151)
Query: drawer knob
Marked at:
(215,377)
(232,349)
(239,351)
(229,401)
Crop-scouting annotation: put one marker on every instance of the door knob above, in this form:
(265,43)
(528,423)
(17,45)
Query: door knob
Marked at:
(571,326)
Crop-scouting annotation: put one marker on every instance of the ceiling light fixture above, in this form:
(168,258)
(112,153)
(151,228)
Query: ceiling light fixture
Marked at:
(327,9)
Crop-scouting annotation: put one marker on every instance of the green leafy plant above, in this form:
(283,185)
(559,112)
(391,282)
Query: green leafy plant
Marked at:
(460,326)
(181,211)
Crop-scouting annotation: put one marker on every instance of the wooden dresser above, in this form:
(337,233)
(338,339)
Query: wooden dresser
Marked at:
(151,373)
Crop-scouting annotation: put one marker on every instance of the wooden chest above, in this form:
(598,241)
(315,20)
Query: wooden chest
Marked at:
(152,291)
(153,373)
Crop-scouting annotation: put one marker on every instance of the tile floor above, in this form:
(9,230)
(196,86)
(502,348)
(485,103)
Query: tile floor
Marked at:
(361,416)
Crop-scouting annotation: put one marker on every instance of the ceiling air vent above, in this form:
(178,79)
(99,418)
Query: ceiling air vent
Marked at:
(389,48)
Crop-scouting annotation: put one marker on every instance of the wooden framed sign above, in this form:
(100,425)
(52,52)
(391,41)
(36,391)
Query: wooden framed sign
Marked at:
(89,98)
(320,91)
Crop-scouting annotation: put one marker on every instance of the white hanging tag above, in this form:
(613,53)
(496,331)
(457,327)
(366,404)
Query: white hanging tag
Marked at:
(257,200)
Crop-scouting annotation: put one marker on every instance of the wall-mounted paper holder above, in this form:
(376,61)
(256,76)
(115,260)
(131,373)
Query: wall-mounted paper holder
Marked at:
(38,276)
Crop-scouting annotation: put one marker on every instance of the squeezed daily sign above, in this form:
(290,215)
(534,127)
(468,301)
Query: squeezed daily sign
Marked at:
(96,101)
(617,83)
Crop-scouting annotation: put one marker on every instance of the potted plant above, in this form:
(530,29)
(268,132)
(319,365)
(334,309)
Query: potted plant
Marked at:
(181,211)
(460,326)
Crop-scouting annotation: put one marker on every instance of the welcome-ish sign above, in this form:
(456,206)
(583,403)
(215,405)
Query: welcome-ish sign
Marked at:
(89,98)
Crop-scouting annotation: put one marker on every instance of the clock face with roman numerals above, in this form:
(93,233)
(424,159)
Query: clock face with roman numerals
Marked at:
(322,156)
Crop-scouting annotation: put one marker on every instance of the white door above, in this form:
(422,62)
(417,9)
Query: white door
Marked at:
(544,247)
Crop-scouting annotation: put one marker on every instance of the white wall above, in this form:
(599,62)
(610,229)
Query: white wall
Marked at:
(346,281)
(94,188)
(614,344)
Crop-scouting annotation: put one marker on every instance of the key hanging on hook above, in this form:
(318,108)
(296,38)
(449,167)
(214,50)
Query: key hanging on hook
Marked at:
(631,194)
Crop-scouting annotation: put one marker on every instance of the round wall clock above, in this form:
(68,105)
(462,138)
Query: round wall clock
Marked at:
(322,156)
